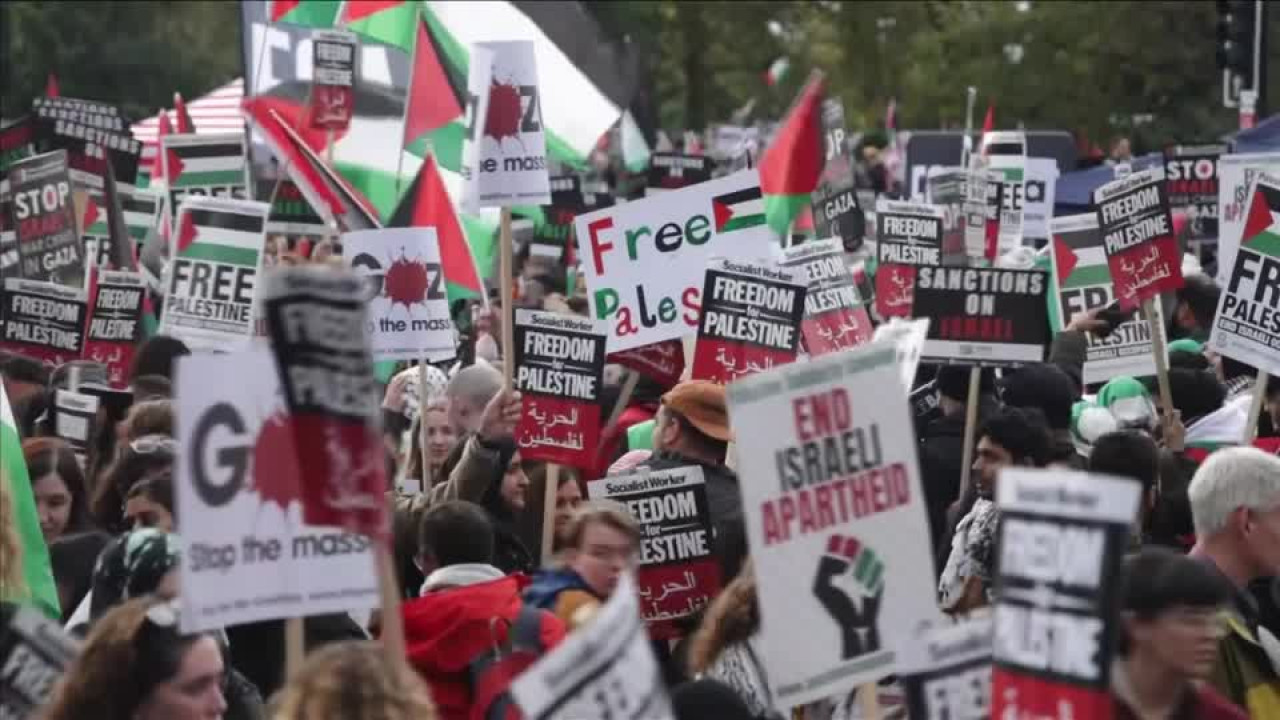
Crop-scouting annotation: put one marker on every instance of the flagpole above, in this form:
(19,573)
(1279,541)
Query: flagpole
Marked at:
(967,147)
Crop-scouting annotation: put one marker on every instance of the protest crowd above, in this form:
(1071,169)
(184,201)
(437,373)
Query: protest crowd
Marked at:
(752,425)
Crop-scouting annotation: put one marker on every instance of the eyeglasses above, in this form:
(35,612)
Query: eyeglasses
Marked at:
(149,444)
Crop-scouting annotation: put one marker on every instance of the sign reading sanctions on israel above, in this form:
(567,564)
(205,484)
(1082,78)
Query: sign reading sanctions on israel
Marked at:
(832,499)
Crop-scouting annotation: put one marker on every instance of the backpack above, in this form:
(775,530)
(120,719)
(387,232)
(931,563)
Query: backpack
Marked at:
(492,672)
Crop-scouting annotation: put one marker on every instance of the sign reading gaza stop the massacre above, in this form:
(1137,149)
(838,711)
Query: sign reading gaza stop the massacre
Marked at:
(835,316)
(1082,282)
(985,316)
(559,369)
(408,311)
(750,320)
(44,220)
(946,671)
(908,236)
(678,574)
(1062,538)
(835,517)
(644,261)
(43,320)
(115,328)
(504,153)
(318,326)
(1191,176)
(1137,235)
(249,554)
(213,277)
(1247,326)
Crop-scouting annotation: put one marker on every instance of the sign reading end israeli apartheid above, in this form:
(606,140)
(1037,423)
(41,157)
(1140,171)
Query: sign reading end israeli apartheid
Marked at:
(678,574)
(318,324)
(1082,282)
(750,320)
(213,277)
(1138,237)
(985,316)
(505,157)
(908,237)
(559,369)
(1062,538)
(841,547)
(1247,325)
(835,315)
(644,261)
(248,553)
(408,311)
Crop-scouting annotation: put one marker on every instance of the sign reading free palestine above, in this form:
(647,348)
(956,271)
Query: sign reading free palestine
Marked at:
(644,261)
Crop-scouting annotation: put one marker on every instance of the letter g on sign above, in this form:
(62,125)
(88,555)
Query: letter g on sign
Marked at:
(233,457)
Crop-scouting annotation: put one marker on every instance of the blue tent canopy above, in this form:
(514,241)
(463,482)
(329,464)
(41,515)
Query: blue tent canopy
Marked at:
(1263,137)
(1074,192)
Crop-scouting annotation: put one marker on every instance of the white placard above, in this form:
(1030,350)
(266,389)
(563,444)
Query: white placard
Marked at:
(1236,174)
(644,261)
(247,555)
(908,338)
(841,546)
(408,308)
(506,161)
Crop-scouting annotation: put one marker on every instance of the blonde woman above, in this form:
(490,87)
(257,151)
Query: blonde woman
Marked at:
(354,680)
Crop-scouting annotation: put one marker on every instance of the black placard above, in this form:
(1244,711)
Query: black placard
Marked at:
(986,316)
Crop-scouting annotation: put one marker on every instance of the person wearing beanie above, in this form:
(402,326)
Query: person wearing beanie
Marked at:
(1049,389)
(941,446)
(1129,402)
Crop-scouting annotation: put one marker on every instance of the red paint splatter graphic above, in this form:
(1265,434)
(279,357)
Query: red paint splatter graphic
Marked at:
(405,282)
(275,468)
(503,117)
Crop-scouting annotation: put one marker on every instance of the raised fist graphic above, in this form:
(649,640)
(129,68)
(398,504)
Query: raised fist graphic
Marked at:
(849,584)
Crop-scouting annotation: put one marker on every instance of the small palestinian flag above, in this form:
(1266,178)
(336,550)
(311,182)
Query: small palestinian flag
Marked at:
(232,238)
(1081,260)
(204,161)
(1262,226)
(738,210)
(310,13)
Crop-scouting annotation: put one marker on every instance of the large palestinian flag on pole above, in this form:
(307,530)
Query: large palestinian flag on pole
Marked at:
(38,587)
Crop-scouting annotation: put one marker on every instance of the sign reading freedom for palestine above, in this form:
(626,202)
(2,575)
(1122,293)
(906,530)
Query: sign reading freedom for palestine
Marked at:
(559,369)
(1137,235)
(750,320)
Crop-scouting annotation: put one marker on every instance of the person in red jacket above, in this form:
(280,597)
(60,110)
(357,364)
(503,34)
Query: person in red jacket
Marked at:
(452,624)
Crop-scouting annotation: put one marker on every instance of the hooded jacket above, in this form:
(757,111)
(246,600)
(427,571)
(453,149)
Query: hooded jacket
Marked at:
(724,499)
(453,623)
(562,592)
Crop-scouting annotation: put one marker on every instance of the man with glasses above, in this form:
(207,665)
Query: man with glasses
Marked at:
(1235,505)
(602,542)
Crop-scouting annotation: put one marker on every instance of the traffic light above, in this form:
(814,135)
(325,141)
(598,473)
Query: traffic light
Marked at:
(1236,24)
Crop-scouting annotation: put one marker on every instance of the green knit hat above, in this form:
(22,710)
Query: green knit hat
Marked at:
(1129,401)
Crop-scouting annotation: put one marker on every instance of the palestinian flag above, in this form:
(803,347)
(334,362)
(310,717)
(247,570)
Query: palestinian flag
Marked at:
(327,192)
(1080,262)
(311,13)
(180,111)
(123,254)
(427,204)
(203,161)
(37,587)
(1261,231)
(163,129)
(738,210)
(391,22)
(436,92)
(224,237)
(791,165)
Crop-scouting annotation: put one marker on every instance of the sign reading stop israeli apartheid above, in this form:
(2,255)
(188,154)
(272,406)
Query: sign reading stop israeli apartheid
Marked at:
(946,671)
(835,314)
(1247,326)
(44,220)
(1191,177)
(750,322)
(908,237)
(1138,237)
(1236,174)
(1082,282)
(43,320)
(984,316)
(213,277)
(851,525)
(333,73)
(203,166)
(678,574)
(115,329)
(1062,538)
(318,325)
(92,133)
(644,261)
(559,369)
(248,556)
(672,171)
(408,311)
